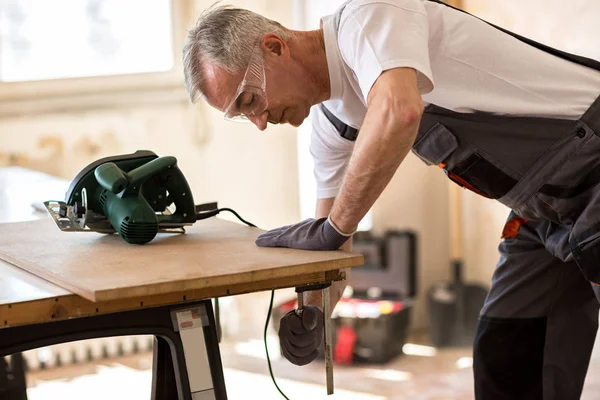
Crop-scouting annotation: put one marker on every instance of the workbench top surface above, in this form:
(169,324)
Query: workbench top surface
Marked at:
(212,253)
(18,285)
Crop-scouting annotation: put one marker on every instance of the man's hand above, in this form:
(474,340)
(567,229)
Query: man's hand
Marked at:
(301,337)
(310,234)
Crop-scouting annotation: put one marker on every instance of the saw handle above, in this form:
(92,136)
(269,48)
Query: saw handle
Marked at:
(141,174)
(112,178)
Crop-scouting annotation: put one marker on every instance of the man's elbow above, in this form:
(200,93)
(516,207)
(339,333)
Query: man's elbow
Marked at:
(403,115)
(396,98)
(409,114)
(413,116)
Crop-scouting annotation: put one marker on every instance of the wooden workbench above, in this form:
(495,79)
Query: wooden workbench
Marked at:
(82,285)
(73,274)
(90,273)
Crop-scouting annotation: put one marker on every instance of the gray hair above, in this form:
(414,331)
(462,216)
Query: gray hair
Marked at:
(224,37)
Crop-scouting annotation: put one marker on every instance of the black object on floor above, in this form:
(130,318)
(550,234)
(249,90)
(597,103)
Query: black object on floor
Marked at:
(453,307)
(13,385)
(454,310)
(170,378)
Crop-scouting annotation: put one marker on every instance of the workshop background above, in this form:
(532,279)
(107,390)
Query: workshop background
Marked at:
(84,79)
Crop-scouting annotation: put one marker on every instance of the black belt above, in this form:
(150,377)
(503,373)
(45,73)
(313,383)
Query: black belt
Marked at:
(345,131)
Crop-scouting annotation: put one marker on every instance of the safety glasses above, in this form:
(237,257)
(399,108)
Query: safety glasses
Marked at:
(251,96)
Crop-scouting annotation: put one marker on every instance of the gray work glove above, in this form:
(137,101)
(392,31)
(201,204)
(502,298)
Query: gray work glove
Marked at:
(310,234)
(300,338)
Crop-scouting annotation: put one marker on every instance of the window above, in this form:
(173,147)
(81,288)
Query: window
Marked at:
(42,39)
(82,54)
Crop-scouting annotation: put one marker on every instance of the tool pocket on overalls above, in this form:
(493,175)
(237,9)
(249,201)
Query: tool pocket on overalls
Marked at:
(436,145)
(474,171)
(482,176)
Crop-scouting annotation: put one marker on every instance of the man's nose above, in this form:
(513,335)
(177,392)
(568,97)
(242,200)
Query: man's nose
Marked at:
(260,120)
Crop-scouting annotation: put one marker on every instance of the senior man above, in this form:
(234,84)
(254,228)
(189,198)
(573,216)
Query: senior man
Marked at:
(504,116)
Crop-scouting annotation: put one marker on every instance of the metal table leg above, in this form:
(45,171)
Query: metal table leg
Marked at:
(328,349)
(327,342)
(180,363)
(13,385)
(199,339)
(163,371)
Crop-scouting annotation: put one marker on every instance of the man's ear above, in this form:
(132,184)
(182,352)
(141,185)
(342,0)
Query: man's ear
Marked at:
(273,45)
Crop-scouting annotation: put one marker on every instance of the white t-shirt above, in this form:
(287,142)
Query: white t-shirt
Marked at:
(462,63)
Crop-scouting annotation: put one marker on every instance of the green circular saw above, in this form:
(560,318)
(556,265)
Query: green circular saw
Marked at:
(136,195)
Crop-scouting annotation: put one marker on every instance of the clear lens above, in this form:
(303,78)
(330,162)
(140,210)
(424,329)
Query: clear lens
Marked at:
(251,96)
(251,101)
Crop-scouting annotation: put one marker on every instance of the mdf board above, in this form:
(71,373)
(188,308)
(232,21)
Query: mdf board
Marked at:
(18,285)
(212,253)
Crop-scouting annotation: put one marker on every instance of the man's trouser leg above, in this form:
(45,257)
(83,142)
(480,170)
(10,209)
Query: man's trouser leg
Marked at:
(538,325)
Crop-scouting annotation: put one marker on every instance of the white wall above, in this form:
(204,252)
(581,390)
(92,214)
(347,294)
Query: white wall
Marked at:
(568,25)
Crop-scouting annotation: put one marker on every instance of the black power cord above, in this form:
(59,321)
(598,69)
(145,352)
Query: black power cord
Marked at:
(211,213)
(238,216)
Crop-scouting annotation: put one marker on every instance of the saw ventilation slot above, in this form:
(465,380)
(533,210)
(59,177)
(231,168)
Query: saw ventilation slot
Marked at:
(137,232)
(102,199)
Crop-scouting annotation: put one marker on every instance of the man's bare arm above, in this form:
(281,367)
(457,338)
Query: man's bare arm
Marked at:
(386,136)
(337,288)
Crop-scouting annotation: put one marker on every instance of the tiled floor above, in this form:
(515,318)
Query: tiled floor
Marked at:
(447,375)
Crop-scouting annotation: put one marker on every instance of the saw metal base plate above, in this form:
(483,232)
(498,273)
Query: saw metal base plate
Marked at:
(69,221)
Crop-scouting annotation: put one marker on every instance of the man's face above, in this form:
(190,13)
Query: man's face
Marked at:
(289,88)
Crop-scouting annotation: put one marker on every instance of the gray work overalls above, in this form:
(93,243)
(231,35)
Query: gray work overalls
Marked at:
(538,326)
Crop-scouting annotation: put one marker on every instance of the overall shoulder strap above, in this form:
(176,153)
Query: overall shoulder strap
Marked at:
(345,131)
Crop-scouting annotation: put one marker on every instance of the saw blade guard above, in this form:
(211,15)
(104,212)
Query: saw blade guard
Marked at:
(130,199)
